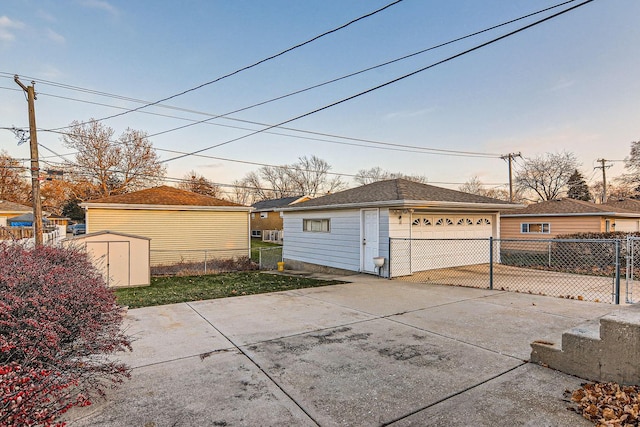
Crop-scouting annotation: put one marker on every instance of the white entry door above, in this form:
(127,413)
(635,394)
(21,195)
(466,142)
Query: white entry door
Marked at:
(370,239)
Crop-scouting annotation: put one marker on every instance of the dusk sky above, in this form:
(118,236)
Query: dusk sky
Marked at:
(568,84)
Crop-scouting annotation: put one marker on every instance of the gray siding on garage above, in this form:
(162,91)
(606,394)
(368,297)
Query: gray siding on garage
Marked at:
(339,248)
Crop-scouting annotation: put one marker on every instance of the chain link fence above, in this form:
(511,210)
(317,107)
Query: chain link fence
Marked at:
(167,262)
(601,270)
(267,258)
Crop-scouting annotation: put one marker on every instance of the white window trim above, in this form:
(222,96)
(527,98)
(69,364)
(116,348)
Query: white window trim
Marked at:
(307,225)
(525,228)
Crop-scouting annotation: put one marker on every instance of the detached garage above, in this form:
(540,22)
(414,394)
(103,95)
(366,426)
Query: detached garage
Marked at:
(183,226)
(123,259)
(391,220)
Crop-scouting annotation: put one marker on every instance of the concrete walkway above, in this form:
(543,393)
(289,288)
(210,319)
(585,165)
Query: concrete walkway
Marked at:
(370,352)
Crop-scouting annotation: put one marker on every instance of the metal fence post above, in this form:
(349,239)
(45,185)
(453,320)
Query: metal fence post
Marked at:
(205,261)
(629,269)
(390,256)
(617,283)
(491,262)
(260,258)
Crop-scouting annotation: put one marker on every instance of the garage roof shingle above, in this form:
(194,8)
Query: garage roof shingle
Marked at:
(566,206)
(165,196)
(396,190)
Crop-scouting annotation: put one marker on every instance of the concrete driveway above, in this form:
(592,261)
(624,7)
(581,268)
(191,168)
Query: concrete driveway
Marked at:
(370,352)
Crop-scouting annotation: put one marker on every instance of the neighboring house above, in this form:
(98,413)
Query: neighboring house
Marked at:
(630,205)
(10,209)
(58,221)
(181,225)
(545,220)
(348,229)
(24,220)
(266,217)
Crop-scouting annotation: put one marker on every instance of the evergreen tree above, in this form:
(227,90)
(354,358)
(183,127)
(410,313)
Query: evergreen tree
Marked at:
(578,188)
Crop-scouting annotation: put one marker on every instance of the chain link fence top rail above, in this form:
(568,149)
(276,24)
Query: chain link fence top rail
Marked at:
(195,262)
(579,269)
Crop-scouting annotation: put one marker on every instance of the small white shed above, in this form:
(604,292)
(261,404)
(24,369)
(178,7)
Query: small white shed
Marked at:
(122,258)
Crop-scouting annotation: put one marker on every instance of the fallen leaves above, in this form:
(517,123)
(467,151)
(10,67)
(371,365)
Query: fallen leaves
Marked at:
(608,404)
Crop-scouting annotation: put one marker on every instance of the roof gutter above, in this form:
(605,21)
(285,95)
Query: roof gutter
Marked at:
(408,204)
(613,214)
(89,205)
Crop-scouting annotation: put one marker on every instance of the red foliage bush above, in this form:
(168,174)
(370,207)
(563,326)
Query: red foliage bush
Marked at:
(58,321)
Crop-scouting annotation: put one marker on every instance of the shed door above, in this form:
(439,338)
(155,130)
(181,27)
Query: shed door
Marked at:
(370,239)
(112,259)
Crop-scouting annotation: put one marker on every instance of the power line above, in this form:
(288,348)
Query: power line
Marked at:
(353,21)
(399,147)
(389,82)
(294,92)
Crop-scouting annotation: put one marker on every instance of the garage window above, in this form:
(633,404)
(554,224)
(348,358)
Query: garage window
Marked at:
(535,227)
(316,225)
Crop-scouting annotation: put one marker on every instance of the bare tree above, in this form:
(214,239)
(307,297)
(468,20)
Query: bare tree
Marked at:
(472,186)
(14,187)
(620,188)
(308,176)
(632,164)
(116,167)
(475,186)
(197,183)
(375,174)
(241,193)
(548,175)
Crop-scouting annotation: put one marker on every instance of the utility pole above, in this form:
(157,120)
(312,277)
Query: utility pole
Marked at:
(604,167)
(510,158)
(35,163)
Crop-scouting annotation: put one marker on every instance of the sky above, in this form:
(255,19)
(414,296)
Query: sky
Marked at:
(567,84)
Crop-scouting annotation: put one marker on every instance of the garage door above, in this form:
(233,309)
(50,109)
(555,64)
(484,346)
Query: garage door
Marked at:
(449,251)
(627,225)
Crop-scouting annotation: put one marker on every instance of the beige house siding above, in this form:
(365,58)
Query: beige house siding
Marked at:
(510,228)
(179,235)
(273,221)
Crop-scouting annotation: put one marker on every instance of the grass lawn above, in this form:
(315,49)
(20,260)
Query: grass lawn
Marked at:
(169,290)
(257,244)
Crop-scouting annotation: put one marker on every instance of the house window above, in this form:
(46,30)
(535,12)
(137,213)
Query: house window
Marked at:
(535,227)
(264,215)
(316,225)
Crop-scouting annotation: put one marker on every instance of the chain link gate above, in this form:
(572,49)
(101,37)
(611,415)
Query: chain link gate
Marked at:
(632,262)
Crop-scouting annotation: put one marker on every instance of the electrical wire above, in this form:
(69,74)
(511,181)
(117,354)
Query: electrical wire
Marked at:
(398,147)
(295,92)
(511,33)
(255,64)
